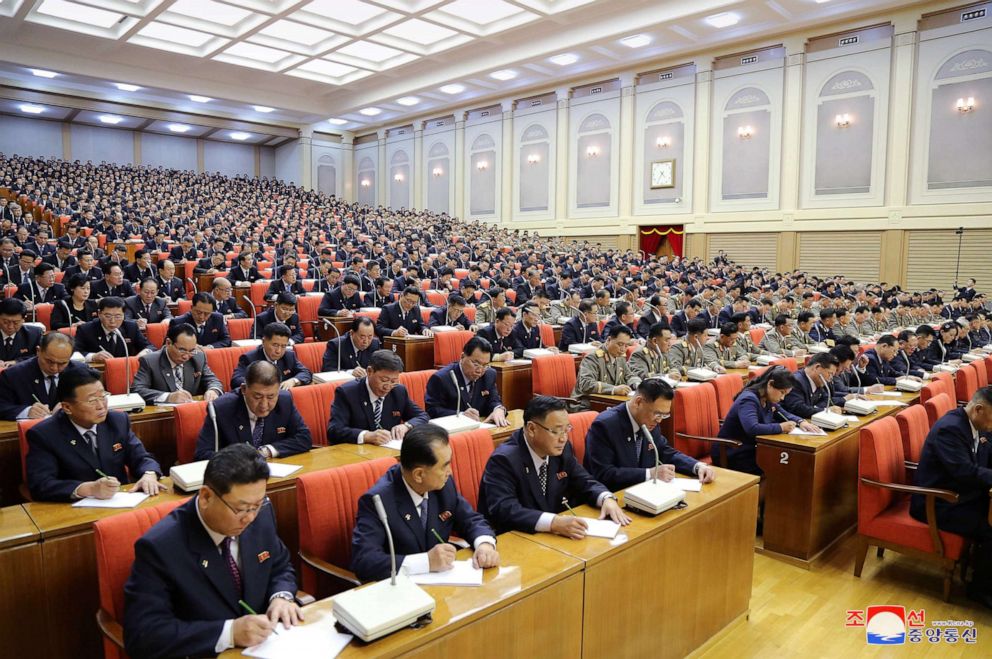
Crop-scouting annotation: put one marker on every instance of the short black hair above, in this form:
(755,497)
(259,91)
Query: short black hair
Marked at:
(886,340)
(203,296)
(237,464)
(657,328)
(695,326)
(276,329)
(477,343)
(728,329)
(179,329)
(619,329)
(540,406)
(385,360)
(72,379)
(843,353)
(823,359)
(503,313)
(417,449)
(781,320)
(285,297)
(360,321)
(925,330)
(11,306)
(651,389)
(110,302)
(805,316)
(262,372)
(351,279)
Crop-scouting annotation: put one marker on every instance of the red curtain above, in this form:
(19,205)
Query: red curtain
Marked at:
(651,238)
(650,243)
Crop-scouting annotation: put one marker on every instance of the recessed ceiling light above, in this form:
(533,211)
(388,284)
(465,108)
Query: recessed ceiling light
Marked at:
(264,109)
(636,40)
(564,59)
(78,13)
(337,122)
(453,88)
(125,87)
(168,37)
(503,74)
(370,112)
(241,137)
(31,109)
(179,128)
(208,10)
(112,119)
(408,100)
(42,73)
(726,19)
(199,99)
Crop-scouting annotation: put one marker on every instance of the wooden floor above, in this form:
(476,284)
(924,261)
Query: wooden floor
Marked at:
(801,613)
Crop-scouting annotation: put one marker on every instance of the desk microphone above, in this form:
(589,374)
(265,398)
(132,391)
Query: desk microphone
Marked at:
(657,458)
(458,406)
(381,512)
(213,418)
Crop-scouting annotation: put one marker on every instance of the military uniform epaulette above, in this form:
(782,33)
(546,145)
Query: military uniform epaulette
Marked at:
(600,352)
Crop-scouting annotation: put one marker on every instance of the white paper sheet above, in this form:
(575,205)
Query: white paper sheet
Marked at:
(601,528)
(894,394)
(687,484)
(799,431)
(396,444)
(518,361)
(281,470)
(317,639)
(461,574)
(119,500)
(889,403)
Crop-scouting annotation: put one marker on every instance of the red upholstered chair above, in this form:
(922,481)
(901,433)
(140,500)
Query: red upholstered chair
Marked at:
(240,328)
(43,314)
(547,336)
(306,309)
(257,292)
(965,383)
(416,385)
(113,539)
(223,361)
(115,374)
(156,333)
(982,370)
(314,404)
(183,306)
(469,453)
(788,362)
(580,422)
(437,298)
(189,418)
(327,505)
(696,422)
(937,407)
(935,387)
(727,387)
(448,346)
(883,505)
(757,334)
(371,313)
(553,375)
(913,427)
(311,354)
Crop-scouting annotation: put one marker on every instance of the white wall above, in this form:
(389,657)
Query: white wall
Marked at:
(267,161)
(229,159)
(289,163)
(102,144)
(167,151)
(30,137)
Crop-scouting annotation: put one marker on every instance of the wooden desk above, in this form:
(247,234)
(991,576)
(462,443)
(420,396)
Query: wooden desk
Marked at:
(417,352)
(342,323)
(242,296)
(514,383)
(603,402)
(667,584)
(531,606)
(811,488)
(21,579)
(205,283)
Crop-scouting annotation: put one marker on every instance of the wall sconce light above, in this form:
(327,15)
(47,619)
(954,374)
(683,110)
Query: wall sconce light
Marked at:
(366,183)
(398,178)
(481,165)
(745,132)
(437,172)
(533,159)
(664,142)
(592,152)
(843,120)
(965,104)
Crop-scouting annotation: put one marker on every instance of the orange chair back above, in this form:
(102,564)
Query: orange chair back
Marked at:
(306,309)
(311,354)
(425,314)
(757,334)
(881,459)
(189,419)
(183,306)
(937,407)
(314,404)
(416,385)
(115,372)
(913,427)
(547,336)
(982,371)
(788,362)
(694,412)
(327,505)
(257,292)
(113,539)
(727,386)
(371,313)
(936,387)
(469,453)
(580,422)
(223,361)
(43,313)
(553,375)
(240,328)
(448,346)
(156,333)
(23,426)
(965,383)
(437,298)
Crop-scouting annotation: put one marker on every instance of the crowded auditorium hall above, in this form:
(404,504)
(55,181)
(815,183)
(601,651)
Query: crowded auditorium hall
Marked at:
(497,328)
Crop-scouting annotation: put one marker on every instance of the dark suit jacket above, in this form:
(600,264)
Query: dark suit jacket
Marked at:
(284,428)
(746,420)
(172,289)
(510,494)
(24,346)
(33,293)
(230,306)
(236,274)
(819,333)
(878,371)
(392,317)
(90,337)
(522,338)
(439,316)
(279,286)
(266,317)
(499,344)
(350,359)
(334,301)
(93,274)
(214,330)
(155,376)
(135,274)
(180,591)
(59,459)
(447,513)
(442,397)
(134,309)
(101,289)
(802,400)
(351,412)
(22,383)
(611,451)
(288,366)
(680,324)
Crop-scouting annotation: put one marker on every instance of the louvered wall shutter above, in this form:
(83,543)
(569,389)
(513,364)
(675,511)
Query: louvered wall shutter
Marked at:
(932,257)
(747,249)
(852,254)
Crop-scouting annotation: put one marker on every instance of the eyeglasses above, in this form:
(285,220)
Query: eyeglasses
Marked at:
(115,316)
(245,512)
(558,432)
(184,351)
(96,401)
(478,364)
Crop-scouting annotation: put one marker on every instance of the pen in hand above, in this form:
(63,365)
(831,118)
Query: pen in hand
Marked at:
(251,611)
(438,536)
(564,502)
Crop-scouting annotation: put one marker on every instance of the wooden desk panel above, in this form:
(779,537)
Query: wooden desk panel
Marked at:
(22,578)
(603,402)
(417,353)
(322,332)
(514,383)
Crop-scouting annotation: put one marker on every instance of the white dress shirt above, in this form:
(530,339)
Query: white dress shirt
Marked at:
(544,521)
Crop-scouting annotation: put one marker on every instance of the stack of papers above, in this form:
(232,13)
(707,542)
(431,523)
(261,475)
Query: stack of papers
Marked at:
(601,528)
(317,639)
(687,484)
(799,431)
(461,574)
(119,500)
(281,470)
(396,444)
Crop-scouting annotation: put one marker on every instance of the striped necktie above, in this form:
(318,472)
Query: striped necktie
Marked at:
(377,413)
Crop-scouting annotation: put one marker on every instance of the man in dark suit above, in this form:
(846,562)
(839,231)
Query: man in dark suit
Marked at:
(352,351)
(275,341)
(617,453)
(147,307)
(451,315)
(402,317)
(529,476)
(343,300)
(420,499)
(23,273)
(113,284)
(98,339)
(62,258)
(498,334)
(141,269)
(170,286)
(376,408)
(258,414)
(227,304)
(956,456)
(878,368)
(528,289)
(210,265)
(680,321)
(177,372)
(478,397)
(184,251)
(42,288)
(193,568)
(244,270)
(526,334)
(811,387)
(28,390)
(86,266)
(286,283)
(211,332)
(583,328)
(822,332)
(283,311)
(85,450)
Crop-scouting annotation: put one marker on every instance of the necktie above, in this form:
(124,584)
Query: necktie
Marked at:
(90,438)
(637,442)
(51,389)
(112,340)
(377,413)
(542,476)
(26,278)
(178,370)
(423,513)
(148,311)
(256,434)
(232,565)
(8,343)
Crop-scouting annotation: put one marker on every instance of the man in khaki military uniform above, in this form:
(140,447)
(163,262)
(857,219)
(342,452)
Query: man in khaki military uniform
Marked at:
(688,353)
(604,370)
(782,340)
(654,358)
(724,351)
(744,341)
